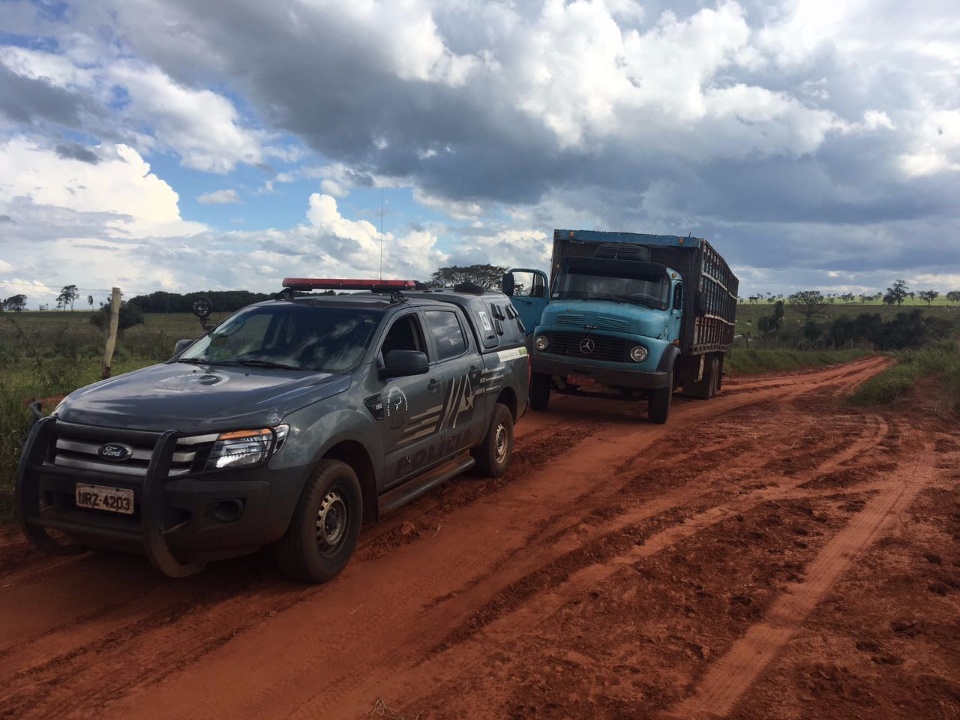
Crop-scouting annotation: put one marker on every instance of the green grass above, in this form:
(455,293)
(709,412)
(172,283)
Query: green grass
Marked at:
(940,364)
(756,361)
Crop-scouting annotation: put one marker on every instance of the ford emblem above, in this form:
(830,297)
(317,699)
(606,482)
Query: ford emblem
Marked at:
(115,452)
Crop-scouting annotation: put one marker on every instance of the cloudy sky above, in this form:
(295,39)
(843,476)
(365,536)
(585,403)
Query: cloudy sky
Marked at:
(182,145)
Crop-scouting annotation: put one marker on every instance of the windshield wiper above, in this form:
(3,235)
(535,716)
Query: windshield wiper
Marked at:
(264,364)
(195,361)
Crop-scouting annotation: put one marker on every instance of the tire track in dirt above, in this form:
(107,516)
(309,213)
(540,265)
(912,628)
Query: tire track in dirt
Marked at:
(536,600)
(736,672)
(162,632)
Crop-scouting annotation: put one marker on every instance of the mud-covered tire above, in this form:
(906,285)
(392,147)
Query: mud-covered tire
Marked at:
(493,454)
(658,404)
(539,392)
(325,526)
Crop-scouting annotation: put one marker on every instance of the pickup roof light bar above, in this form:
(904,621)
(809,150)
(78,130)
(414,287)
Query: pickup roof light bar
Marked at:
(344,284)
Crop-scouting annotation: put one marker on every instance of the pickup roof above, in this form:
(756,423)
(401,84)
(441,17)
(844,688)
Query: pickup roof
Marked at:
(290,424)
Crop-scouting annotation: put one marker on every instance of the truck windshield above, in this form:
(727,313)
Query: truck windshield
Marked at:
(651,290)
(288,336)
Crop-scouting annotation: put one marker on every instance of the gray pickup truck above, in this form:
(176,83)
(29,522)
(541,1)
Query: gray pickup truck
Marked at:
(290,424)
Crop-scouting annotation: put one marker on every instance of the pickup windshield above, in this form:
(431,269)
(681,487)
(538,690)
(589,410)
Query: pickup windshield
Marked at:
(595,282)
(288,336)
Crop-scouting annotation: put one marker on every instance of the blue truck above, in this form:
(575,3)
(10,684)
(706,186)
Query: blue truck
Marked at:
(626,315)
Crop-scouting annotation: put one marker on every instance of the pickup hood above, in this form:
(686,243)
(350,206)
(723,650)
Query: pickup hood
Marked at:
(605,316)
(178,396)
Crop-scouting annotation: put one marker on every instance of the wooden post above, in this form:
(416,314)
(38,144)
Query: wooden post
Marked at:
(112,334)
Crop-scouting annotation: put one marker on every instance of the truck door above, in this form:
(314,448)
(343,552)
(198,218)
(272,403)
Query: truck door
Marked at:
(412,406)
(529,294)
(676,312)
(463,413)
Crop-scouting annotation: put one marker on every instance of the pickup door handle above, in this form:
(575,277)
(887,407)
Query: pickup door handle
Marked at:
(434,385)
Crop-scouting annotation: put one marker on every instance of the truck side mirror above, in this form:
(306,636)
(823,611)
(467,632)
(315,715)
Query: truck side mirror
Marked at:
(700,304)
(507,284)
(403,363)
(182,345)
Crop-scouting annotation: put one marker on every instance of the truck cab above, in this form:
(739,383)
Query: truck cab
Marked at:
(628,315)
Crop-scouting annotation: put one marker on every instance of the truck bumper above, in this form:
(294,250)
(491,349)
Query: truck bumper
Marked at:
(632,379)
(179,523)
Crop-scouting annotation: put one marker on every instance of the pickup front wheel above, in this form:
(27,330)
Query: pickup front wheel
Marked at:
(493,454)
(325,526)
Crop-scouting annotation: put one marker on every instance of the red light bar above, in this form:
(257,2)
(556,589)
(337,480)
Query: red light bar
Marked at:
(347,284)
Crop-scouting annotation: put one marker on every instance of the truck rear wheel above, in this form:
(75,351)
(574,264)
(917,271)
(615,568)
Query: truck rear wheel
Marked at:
(493,454)
(325,525)
(706,388)
(539,391)
(658,405)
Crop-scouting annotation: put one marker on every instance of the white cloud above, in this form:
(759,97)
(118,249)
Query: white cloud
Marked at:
(121,184)
(203,127)
(219,197)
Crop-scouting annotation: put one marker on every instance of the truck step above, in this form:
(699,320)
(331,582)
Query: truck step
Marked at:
(416,486)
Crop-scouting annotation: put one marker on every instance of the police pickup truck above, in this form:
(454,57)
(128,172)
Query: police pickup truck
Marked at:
(290,424)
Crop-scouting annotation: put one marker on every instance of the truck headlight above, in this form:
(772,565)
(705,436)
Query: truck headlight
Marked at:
(541,342)
(638,353)
(245,447)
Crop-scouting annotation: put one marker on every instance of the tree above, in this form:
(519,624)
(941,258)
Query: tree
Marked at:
(90,300)
(808,302)
(897,292)
(15,303)
(67,296)
(130,315)
(486,276)
(928,296)
(954,296)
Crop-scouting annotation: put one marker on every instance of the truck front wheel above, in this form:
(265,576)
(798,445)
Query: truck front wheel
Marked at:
(658,405)
(493,454)
(325,526)
(539,391)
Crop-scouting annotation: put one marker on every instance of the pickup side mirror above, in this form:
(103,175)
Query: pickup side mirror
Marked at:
(401,363)
(507,284)
(700,304)
(182,345)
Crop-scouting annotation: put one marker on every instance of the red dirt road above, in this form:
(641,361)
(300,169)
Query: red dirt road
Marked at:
(770,553)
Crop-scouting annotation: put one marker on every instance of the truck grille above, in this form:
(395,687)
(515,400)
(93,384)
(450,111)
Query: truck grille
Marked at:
(571,344)
(80,447)
(602,322)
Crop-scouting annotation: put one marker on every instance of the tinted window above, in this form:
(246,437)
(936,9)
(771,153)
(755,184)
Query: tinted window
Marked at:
(447,333)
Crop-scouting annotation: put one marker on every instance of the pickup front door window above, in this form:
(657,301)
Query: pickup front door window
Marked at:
(413,406)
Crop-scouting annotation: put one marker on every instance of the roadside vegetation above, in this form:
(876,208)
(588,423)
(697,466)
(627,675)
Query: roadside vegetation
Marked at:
(934,370)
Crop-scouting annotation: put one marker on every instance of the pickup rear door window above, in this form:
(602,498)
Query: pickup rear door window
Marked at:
(463,413)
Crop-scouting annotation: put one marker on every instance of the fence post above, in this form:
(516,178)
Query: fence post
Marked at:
(112,334)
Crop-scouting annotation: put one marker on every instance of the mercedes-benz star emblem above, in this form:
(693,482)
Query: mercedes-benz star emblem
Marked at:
(587,346)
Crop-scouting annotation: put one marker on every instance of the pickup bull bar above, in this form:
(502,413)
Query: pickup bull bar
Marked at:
(152,533)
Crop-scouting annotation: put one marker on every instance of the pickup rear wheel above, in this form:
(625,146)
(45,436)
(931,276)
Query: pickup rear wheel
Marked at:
(325,525)
(493,454)
(539,391)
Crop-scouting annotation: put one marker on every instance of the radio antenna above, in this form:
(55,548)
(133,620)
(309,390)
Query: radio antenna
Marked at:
(381,232)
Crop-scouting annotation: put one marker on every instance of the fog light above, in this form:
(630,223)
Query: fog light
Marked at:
(541,342)
(638,353)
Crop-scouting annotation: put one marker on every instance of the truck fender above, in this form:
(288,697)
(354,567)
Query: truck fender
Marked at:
(669,357)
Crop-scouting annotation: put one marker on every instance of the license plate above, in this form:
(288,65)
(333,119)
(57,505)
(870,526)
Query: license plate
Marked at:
(584,383)
(110,499)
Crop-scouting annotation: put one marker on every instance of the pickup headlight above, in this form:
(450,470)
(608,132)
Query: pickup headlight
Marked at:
(541,342)
(638,353)
(245,447)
